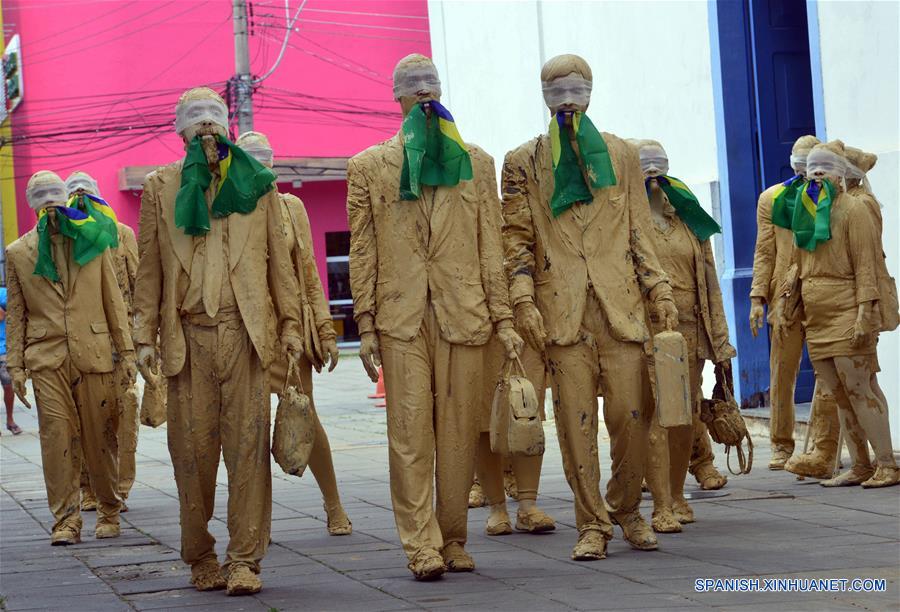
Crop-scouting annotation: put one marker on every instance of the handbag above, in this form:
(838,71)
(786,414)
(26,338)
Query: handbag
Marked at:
(516,427)
(153,401)
(724,421)
(888,303)
(295,425)
(673,381)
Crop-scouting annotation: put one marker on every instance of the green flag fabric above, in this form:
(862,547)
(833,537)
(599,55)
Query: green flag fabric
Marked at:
(569,184)
(433,151)
(243,180)
(687,207)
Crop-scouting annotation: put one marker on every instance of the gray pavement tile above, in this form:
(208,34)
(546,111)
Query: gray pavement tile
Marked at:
(451,584)
(127,555)
(338,595)
(98,602)
(498,599)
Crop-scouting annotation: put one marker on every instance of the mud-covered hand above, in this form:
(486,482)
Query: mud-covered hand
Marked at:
(18,384)
(146,361)
(129,365)
(757,315)
(330,347)
(530,325)
(666,312)
(293,346)
(860,335)
(512,341)
(370,353)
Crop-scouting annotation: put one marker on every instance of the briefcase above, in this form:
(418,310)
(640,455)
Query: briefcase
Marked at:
(516,427)
(673,380)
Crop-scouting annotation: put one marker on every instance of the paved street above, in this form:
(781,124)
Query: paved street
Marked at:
(769,525)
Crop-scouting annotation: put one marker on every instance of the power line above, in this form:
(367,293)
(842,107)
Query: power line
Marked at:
(290,28)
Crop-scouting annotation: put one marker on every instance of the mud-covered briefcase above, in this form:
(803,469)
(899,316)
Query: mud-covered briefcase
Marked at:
(295,425)
(673,380)
(516,427)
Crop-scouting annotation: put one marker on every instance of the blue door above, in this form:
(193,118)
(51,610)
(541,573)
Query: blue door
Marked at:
(784,102)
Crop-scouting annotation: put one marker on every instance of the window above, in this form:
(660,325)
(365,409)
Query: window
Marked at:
(340,302)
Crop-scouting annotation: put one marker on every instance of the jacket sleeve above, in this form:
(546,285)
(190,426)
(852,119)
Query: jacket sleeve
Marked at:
(490,243)
(114,306)
(518,228)
(313,284)
(722,349)
(131,257)
(764,255)
(651,276)
(863,248)
(148,282)
(363,249)
(15,318)
(282,282)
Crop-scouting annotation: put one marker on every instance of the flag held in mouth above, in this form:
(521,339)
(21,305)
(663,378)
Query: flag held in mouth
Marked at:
(89,238)
(687,207)
(433,151)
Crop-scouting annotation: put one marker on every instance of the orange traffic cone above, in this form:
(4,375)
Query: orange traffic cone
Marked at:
(379,387)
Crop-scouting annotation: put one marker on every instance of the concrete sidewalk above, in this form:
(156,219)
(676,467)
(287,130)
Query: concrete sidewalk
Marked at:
(769,525)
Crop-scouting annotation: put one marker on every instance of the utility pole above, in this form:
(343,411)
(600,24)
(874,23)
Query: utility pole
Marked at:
(242,80)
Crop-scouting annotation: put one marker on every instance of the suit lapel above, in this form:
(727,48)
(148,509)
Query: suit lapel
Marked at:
(239,227)
(566,223)
(31,244)
(182,244)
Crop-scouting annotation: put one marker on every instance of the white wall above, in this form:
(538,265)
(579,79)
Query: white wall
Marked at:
(860,57)
(650,62)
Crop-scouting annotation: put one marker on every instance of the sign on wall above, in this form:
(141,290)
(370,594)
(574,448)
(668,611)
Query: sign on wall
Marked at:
(13,87)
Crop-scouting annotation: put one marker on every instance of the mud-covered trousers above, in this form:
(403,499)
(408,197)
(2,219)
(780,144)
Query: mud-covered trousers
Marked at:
(620,368)
(78,419)
(220,403)
(432,390)
(127,406)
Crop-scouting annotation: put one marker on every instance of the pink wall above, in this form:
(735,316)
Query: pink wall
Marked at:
(326,204)
(113,70)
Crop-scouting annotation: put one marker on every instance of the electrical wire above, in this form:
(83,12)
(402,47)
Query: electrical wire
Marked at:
(290,27)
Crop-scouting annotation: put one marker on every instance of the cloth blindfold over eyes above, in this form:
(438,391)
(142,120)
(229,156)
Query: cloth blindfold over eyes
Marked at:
(197,111)
(570,89)
(409,83)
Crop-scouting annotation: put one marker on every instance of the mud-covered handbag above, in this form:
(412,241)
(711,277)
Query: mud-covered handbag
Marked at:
(888,302)
(724,421)
(153,401)
(516,427)
(295,425)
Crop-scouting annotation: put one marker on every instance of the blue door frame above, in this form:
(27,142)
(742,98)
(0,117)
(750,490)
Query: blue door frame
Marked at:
(762,105)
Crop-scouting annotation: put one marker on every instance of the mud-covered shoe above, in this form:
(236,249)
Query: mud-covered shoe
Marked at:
(338,522)
(207,576)
(242,581)
(591,546)
(88,501)
(65,536)
(534,521)
(107,530)
(709,478)
(664,521)
(457,559)
(498,523)
(780,454)
(427,564)
(683,512)
(853,477)
(885,476)
(817,464)
(476,496)
(636,531)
